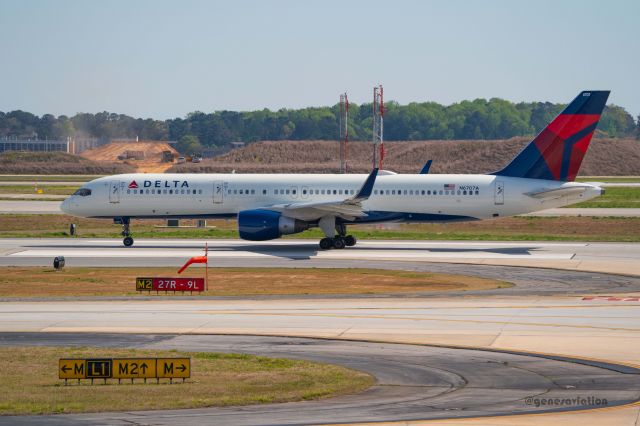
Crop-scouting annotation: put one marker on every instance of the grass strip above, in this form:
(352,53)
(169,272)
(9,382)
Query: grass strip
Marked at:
(30,383)
(72,282)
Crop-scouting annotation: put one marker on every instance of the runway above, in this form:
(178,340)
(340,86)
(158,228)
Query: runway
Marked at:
(572,313)
(412,382)
(32,204)
(613,258)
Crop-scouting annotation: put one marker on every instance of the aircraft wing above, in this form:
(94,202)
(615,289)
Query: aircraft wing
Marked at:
(348,208)
(559,192)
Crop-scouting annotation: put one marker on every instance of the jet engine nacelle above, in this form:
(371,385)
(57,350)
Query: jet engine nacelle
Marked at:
(261,225)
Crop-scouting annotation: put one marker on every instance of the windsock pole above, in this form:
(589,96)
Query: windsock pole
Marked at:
(206,267)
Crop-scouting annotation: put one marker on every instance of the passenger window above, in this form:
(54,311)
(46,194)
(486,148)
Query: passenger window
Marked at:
(171,191)
(293,191)
(423,192)
(253,191)
(199,191)
(463,192)
(477,192)
(458,192)
(128,191)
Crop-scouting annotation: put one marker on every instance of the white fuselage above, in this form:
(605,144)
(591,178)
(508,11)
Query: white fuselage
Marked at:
(397,197)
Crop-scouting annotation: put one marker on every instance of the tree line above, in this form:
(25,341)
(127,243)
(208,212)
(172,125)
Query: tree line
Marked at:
(478,119)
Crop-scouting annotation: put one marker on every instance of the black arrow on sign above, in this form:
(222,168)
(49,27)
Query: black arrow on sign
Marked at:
(181,368)
(65,369)
(143,367)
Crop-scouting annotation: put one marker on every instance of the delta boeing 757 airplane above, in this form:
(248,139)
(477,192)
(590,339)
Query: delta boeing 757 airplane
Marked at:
(269,206)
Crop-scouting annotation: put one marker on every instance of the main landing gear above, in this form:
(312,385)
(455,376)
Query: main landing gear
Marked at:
(339,241)
(126,233)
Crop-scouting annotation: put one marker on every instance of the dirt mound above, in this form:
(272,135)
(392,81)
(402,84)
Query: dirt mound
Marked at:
(610,157)
(36,163)
(151,151)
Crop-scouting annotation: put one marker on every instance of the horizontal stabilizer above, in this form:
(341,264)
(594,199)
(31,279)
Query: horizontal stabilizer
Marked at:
(559,192)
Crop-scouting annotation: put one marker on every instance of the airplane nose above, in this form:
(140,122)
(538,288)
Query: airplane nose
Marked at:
(65,206)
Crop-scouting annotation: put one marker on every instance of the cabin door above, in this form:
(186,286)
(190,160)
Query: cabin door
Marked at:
(218,192)
(499,193)
(114,192)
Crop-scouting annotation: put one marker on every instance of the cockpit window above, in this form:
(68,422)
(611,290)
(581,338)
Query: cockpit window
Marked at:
(83,192)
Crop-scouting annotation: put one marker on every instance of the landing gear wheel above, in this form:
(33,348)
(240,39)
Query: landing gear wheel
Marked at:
(339,243)
(128,241)
(350,240)
(326,243)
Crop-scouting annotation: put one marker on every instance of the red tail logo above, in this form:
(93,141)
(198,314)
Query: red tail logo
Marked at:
(133,185)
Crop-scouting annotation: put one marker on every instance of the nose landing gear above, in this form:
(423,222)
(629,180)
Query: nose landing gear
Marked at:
(126,233)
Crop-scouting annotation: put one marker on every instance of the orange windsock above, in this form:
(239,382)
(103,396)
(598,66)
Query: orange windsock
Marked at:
(195,259)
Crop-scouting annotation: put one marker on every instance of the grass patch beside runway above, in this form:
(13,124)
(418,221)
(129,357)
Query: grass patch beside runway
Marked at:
(614,197)
(74,282)
(621,229)
(30,383)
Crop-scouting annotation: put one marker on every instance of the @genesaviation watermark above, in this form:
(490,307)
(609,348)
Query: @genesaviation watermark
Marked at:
(591,401)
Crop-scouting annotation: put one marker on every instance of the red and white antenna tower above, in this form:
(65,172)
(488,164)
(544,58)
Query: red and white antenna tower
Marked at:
(344,132)
(378,126)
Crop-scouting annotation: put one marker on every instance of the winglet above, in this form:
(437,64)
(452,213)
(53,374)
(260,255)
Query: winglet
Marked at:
(426,167)
(367,187)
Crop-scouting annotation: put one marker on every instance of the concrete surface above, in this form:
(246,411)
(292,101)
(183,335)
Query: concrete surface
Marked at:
(562,312)
(413,382)
(33,197)
(29,207)
(612,258)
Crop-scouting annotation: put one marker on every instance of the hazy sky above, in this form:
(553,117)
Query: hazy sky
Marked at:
(163,59)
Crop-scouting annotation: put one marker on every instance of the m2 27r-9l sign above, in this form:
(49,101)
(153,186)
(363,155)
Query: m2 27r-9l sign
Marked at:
(170,284)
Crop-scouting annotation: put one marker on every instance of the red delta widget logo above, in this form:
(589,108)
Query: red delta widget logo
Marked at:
(133,185)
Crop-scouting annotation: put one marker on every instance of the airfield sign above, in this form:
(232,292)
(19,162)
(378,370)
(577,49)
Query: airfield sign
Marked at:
(124,368)
(170,284)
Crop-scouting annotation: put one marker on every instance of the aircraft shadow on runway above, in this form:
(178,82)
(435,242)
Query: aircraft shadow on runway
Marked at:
(297,251)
